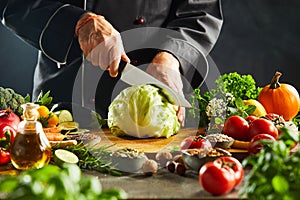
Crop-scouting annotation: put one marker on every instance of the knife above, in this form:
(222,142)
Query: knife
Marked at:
(134,76)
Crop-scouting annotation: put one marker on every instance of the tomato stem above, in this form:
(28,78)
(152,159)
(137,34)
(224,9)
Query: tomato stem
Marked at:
(275,81)
(229,164)
(199,137)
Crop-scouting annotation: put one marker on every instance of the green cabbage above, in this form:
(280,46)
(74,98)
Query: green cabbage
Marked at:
(142,111)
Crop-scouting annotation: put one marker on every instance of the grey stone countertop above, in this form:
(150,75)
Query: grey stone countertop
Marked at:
(162,185)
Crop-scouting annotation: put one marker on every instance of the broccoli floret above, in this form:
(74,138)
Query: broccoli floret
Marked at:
(9,98)
(6,95)
(3,104)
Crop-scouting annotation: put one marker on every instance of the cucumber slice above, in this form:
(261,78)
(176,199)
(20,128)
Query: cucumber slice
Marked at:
(64,116)
(62,156)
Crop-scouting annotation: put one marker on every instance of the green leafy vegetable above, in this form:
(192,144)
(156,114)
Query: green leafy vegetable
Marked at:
(275,170)
(240,86)
(226,98)
(142,111)
(54,183)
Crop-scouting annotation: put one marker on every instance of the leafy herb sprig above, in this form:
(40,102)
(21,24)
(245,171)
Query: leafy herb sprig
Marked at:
(93,158)
(44,99)
(275,170)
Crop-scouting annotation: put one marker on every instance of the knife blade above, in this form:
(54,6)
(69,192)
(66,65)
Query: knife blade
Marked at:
(134,76)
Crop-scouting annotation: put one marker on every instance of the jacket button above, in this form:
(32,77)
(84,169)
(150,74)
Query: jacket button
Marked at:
(135,62)
(140,21)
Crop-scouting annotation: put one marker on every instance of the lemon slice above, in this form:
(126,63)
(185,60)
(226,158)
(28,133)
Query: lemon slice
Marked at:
(64,116)
(62,156)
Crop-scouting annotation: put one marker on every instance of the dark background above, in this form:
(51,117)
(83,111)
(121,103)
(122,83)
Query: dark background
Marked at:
(258,38)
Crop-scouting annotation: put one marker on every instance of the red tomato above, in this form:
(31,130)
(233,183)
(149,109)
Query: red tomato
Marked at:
(216,178)
(236,127)
(255,145)
(262,125)
(195,142)
(235,165)
(251,118)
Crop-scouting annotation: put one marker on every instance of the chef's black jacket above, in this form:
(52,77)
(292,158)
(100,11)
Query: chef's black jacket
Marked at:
(49,26)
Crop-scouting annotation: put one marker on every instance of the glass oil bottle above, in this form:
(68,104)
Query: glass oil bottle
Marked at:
(31,148)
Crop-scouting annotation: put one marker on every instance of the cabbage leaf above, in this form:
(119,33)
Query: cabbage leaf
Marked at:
(142,111)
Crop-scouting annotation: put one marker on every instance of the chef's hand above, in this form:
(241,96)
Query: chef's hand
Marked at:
(165,67)
(100,42)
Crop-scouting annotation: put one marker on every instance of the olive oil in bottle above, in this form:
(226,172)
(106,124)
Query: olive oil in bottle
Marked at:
(31,148)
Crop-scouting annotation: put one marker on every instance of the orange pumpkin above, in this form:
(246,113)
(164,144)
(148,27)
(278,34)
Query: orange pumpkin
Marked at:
(282,99)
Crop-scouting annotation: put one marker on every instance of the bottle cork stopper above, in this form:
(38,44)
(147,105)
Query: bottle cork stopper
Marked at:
(30,111)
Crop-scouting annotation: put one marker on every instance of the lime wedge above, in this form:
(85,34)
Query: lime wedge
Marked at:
(64,116)
(62,156)
(69,126)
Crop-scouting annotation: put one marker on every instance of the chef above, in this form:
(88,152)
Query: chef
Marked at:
(169,38)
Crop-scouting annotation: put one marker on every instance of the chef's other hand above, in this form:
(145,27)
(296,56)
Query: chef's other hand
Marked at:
(165,67)
(100,42)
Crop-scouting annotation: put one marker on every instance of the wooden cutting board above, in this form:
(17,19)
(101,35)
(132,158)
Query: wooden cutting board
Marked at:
(152,145)
(148,145)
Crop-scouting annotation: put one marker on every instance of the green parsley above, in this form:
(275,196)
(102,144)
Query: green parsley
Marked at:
(275,170)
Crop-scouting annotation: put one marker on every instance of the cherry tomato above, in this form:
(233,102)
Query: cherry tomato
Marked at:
(216,178)
(255,145)
(235,165)
(262,125)
(193,142)
(251,118)
(236,127)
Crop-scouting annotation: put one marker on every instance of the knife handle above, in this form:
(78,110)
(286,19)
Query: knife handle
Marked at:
(121,66)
